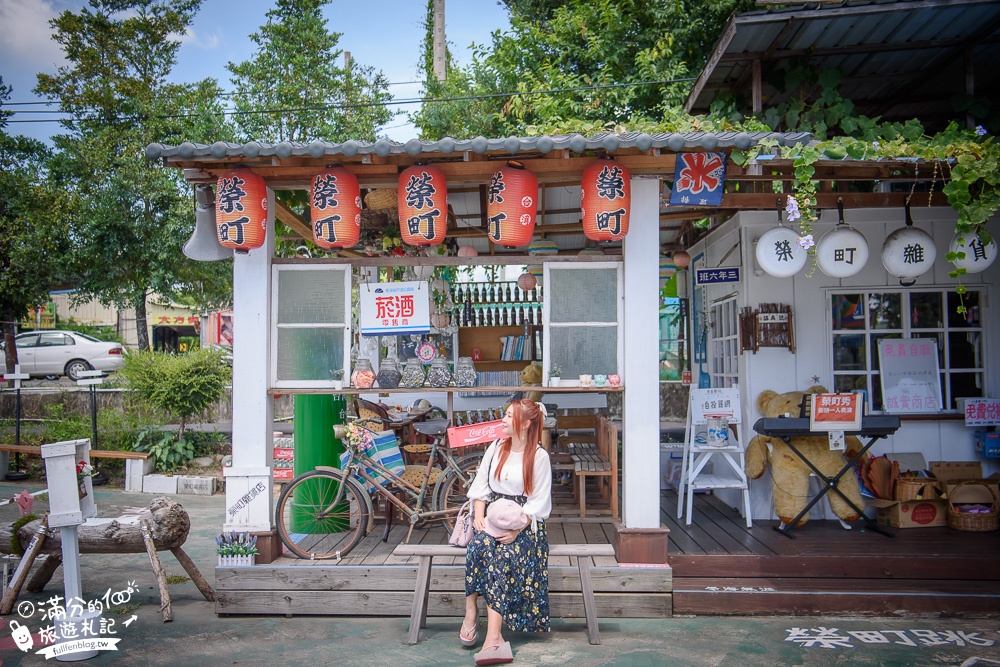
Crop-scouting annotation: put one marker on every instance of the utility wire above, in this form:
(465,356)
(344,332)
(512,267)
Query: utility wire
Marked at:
(415,100)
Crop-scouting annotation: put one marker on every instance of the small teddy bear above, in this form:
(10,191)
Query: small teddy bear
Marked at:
(531,375)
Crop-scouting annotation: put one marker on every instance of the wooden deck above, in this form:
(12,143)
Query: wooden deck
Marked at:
(718,566)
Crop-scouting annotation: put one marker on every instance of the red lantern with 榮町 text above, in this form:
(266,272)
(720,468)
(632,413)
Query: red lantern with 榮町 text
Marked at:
(335,200)
(607,201)
(511,205)
(241,210)
(423,205)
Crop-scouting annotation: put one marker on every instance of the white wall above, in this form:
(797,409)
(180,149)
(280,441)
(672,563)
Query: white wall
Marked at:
(780,370)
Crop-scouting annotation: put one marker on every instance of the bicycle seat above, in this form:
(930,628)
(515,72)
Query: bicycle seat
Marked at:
(432,427)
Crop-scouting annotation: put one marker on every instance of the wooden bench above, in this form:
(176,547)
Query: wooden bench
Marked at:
(137,464)
(599,460)
(425,554)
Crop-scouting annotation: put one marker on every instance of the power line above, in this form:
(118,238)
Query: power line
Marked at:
(416,100)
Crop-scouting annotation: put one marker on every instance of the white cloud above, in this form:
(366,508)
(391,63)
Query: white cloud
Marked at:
(26,38)
(194,39)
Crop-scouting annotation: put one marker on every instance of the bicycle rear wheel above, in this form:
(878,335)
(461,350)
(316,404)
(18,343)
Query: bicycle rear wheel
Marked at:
(450,492)
(310,526)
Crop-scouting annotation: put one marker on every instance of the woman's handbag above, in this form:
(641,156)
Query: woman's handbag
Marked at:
(462,533)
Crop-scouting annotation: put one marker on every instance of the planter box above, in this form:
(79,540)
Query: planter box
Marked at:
(237,561)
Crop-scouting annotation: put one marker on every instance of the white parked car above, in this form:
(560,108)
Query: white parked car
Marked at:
(66,353)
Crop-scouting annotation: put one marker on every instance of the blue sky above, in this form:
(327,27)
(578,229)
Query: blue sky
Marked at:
(384,34)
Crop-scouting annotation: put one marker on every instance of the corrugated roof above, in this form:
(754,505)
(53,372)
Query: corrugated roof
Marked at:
(898,60)
(577,143)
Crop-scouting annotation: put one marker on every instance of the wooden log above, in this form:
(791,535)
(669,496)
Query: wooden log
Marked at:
(44,573)
(161,576)
(169,526)
(34,547)
(194,573)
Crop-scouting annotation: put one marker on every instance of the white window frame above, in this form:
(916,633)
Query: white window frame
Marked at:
(724,342)
(276,269)
(905,331)
(549,296)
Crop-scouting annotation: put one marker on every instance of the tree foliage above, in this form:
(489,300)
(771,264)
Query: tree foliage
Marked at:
(293,89)
(34,228)
(133,216)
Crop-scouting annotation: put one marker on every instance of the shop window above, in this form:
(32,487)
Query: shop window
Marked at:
(858,320)
(672,343)
(724,342)
(583,307)
(310,330)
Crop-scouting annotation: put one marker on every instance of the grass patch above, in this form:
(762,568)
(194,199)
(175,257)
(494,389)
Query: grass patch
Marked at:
(127,609)
(177,579)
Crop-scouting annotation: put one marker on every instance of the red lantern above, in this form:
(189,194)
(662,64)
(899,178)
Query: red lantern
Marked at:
(423,205)
(607,201)
(335,199)
(512,203)
(241,210)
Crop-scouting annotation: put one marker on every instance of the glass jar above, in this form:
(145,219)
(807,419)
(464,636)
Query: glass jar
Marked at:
(388,374)
(413,374)
(363,375)
(439,375)
(465,372)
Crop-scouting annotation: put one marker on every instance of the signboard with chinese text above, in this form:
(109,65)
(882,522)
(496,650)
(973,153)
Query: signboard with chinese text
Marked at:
(729,274)
(910,375)
(716,402)
(698,179)
(982,411)
(394,308)
(836,412)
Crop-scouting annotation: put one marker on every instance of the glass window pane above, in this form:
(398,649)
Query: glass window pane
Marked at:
(579,349)
(309,354)
(584,295)
(885,309)
(939,337)
(873,346)
(877,392)
(971,316)
(965,349)
(311,297)
(965,385)
(848,311)
(925,310)
(670,366)
(849,383)
(849,352)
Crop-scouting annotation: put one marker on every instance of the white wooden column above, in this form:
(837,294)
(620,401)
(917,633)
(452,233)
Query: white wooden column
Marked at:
(248,481)
(641,434)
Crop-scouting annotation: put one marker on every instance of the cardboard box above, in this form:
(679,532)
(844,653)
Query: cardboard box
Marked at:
(910,513)
(951,473)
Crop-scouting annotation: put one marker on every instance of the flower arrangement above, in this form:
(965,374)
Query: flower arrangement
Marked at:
(236,548)
(358,435)
(84,469)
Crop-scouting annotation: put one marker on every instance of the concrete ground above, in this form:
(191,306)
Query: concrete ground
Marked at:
(197,637)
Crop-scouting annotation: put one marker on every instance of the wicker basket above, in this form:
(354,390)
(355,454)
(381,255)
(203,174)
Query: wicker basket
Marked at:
(908,488)
(381,199)
(974,522)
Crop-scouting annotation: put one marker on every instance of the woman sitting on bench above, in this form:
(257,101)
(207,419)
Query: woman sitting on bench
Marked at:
(507,560)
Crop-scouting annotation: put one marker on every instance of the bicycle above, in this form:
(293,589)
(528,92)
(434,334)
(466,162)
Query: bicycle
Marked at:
(324,513)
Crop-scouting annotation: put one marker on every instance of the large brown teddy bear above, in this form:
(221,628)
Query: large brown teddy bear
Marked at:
(789,473)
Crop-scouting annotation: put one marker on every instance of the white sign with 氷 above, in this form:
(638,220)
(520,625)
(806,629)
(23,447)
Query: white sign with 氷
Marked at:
(394,308)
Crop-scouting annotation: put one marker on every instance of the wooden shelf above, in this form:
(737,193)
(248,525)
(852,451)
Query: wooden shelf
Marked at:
(448,390)
(487,339)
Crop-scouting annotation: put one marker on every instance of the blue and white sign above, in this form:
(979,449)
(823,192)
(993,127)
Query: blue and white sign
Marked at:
(715,276)
(394,308)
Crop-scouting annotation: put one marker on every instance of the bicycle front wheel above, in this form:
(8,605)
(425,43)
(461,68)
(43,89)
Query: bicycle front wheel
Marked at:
(311,525)
(450,492)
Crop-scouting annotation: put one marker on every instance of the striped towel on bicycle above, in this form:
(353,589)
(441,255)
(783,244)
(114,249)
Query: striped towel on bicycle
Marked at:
(384,448)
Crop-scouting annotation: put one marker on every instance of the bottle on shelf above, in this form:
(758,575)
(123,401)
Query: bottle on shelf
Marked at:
(439,375)
(475,293)
(507,295)
(465,372)
(493,293)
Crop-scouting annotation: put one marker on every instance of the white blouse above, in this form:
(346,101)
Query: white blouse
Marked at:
(511,482)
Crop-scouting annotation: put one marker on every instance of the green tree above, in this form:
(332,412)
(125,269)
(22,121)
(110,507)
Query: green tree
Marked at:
(134,216)
(34,228)
(294,89)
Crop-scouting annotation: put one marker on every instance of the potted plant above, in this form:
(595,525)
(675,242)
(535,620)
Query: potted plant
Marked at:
(555,375)
(236,549)
(338,378)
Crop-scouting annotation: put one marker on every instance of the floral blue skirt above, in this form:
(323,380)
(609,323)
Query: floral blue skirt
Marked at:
(512,578)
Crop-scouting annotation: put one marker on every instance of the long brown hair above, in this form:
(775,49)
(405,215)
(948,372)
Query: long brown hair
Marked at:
(523,412)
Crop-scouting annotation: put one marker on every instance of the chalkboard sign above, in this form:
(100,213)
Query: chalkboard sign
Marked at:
(910,375)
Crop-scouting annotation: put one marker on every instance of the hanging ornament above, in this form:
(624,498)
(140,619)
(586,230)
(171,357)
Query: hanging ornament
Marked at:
(467,251)
(779,252)
(681,259)
(543,247)
(512,202)
(978,257)
(606,200)
(423,205)
(843,251)
(908,252)
(526,281)
(335,201)
(241,210)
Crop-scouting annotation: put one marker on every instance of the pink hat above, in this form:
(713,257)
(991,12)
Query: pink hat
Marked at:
(504,515)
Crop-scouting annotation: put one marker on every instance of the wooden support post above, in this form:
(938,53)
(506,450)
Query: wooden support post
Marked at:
(44,573)
(161,577)
(194,573)
(14,588)
(589,605)
(418,612)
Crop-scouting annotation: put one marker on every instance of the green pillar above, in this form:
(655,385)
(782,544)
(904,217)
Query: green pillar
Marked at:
(315,445)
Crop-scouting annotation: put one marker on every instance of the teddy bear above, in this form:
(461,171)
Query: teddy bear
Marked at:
(789,473)
(532,375)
